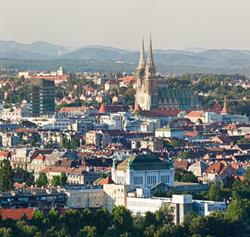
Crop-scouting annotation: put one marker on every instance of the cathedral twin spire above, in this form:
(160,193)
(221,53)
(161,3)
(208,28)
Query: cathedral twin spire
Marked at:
(149,66)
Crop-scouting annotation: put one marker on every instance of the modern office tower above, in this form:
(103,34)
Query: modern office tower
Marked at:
(43,97)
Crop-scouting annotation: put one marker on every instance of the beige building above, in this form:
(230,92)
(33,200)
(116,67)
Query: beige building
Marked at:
(12,114)
(85,196)
(149,143)
(98,138)
(115,195)
(74,175)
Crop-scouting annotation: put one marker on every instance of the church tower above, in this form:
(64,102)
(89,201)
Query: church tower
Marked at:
(145,73)
(149,82)
(139,73)
(150,66)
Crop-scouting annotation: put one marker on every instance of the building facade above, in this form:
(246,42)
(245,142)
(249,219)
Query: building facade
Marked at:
(153,91)
(43,97)
(145,170)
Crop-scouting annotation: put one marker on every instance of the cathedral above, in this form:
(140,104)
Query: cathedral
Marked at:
(153,91)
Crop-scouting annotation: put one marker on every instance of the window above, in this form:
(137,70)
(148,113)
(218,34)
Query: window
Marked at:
(79,199)
(138,180)
(151,180)
(165,179)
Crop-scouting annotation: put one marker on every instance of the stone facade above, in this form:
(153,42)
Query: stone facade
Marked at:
(153,91)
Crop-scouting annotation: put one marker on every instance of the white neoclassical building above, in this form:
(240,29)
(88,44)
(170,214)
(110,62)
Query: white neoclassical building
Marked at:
(144,170)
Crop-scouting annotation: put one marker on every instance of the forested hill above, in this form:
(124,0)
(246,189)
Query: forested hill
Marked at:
(46,56)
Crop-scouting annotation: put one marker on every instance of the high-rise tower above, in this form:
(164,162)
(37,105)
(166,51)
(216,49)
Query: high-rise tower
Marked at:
(43,97)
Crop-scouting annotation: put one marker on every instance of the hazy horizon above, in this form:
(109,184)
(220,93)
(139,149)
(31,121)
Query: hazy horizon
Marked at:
(175,24)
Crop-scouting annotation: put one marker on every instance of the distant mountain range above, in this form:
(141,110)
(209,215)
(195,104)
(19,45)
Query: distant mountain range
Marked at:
(45,56)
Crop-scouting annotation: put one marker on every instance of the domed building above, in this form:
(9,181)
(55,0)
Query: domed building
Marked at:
(144,171)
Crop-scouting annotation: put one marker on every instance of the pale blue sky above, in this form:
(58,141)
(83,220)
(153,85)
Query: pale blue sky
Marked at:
(120,23)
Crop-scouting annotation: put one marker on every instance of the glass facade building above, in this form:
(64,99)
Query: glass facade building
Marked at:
(43,97)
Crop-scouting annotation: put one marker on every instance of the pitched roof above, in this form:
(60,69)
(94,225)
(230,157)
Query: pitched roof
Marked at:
(5,153)
(102,109)
(16,214)
(195,113)
(102,181)
(218,168)
(223,139)
(181,164)
(198,168)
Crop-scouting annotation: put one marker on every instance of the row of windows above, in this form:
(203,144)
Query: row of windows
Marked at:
(144,204)
(151,180)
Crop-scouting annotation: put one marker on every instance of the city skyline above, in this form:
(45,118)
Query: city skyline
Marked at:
(174,24)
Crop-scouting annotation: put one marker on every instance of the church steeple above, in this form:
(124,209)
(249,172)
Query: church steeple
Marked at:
(141,64)
(225,107)
(150,65)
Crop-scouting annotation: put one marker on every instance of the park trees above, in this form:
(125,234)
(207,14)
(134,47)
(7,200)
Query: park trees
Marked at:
(6,176)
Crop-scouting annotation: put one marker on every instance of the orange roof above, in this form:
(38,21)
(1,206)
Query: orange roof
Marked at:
(16,214)
(102,109)
(5,153)
(19,185)
(195,114)
(218,168)
(128,79)
(191,133)
(181,164)
(26,130)
(106,180)
(73,109)
(40,157)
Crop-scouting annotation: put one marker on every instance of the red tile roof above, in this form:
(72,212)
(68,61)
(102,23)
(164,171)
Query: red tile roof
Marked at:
(26,130)
(195,114)
(128,79)
(218,168)
(5,154)
(181,164)
(73,109)
(16,214)
(106,180)
(102,109)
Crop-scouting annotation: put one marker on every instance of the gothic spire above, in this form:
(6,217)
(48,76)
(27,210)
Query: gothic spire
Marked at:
(150,66)
(225,107)
(141,64)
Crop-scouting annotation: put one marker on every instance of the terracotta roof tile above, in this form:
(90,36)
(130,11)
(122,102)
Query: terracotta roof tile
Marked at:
(16,214)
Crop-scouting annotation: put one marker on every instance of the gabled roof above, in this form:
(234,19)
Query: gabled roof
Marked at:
(102,109)
(198,168)
(223,139)
(181,164)
(217,168)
